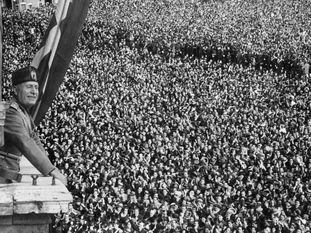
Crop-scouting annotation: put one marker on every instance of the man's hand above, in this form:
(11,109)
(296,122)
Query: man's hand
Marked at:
(56,173)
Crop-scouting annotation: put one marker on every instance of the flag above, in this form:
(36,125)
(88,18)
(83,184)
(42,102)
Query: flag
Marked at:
(56,50)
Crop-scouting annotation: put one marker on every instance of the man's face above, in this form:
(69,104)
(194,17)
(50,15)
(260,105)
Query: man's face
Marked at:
(27,93)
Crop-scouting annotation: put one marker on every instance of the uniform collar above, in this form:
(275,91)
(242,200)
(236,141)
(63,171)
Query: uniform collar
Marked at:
(18,103)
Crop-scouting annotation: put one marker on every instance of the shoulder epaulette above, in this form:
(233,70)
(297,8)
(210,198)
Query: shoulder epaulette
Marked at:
(15,106)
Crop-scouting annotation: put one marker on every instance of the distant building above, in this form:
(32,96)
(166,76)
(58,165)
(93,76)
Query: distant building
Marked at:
(25,4)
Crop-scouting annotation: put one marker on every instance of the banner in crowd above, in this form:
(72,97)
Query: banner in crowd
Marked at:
(56,50)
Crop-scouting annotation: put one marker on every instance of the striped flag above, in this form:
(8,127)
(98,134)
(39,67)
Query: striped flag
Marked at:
(56,50)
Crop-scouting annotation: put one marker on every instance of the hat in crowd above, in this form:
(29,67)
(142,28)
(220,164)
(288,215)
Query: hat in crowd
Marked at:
(24,75)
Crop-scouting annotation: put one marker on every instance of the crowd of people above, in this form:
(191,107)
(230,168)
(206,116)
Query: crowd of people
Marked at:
(157,141)
(247,32)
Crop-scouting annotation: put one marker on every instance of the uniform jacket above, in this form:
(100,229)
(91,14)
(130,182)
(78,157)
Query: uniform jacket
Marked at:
(21,139)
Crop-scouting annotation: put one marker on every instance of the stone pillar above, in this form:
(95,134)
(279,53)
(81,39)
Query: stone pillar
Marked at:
(28,208)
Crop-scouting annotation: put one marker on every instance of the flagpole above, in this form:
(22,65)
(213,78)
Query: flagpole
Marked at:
(2,103)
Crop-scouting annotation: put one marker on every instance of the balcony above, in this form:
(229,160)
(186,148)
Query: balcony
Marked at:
(28,207)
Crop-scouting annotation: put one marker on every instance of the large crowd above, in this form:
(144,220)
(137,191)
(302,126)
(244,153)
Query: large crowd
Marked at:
(156,139)
(248,32)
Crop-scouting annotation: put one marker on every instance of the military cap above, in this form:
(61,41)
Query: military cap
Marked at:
(24,75)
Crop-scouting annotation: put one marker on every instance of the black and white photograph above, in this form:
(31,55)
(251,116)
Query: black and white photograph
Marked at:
(155,116)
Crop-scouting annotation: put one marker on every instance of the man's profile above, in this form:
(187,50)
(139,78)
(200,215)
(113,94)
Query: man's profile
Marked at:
(19,131)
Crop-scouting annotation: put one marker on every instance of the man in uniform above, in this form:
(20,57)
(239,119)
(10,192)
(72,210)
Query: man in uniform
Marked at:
(19,131)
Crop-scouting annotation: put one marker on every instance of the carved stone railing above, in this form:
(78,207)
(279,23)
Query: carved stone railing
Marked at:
(29,205)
